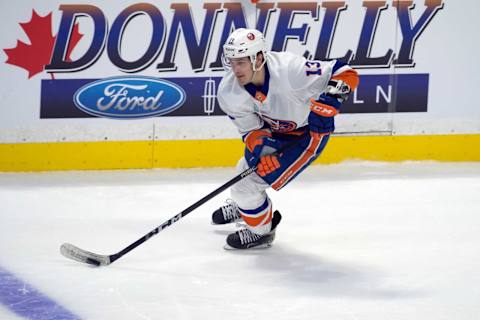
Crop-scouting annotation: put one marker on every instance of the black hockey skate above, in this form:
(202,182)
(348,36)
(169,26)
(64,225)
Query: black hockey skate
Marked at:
(226,214)
(245,239)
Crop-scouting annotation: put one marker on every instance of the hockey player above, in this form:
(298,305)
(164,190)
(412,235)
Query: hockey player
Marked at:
(283,106)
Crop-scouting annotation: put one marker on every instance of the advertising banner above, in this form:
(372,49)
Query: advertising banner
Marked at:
(123,70)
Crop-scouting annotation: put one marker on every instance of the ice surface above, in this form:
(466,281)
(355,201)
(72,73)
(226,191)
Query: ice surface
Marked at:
(358,240)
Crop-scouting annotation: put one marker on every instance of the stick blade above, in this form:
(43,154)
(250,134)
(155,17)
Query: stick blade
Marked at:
(75,253)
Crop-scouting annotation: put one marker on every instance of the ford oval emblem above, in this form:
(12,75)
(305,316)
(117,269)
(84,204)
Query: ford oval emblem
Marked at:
(129,97)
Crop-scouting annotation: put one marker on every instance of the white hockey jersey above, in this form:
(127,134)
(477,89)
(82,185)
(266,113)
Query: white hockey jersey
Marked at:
(292,83)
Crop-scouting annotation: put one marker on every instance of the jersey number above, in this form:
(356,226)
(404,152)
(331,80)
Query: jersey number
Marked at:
(314,68)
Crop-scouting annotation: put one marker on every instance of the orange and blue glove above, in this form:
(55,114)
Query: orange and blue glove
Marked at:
(259,151)
(326,107)
(322,113)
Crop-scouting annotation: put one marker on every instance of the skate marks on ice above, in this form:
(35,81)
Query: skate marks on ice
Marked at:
(311,275)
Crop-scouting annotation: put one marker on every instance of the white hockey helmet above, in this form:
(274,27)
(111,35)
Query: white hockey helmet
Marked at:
(245,43)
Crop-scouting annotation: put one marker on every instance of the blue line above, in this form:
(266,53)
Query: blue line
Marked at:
(28,302)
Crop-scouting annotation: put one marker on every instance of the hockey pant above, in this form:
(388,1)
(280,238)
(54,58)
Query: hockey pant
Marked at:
(250,193)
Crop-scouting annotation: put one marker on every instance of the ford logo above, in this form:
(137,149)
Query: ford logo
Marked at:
(129,97)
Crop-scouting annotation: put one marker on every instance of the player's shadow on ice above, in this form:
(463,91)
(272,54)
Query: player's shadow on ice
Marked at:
(307,273)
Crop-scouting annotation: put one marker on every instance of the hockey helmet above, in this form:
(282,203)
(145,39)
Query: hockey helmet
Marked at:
(245,43)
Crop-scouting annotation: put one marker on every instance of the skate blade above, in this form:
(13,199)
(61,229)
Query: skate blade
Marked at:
(224,224)
(260,247)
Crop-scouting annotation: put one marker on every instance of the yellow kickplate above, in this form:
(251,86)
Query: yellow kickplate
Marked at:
(221,153)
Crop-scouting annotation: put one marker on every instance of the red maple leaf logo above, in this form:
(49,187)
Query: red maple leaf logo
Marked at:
(35,56)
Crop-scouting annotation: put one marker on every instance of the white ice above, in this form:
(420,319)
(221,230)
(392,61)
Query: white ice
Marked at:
(358,240)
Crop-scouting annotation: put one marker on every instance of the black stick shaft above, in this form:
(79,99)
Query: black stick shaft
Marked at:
(182,214)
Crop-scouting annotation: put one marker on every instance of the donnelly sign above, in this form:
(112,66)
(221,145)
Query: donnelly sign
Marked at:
(183,22)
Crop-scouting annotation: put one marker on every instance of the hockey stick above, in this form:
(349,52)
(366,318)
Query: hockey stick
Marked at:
(75,253)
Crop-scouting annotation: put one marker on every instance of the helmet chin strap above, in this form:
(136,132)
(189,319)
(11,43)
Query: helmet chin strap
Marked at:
(254,62)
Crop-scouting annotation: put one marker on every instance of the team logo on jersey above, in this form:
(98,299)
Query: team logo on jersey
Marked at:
(129,97)
(250,36)
(280,126)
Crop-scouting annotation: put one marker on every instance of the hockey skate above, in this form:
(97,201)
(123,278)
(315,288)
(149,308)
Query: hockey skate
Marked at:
(245,239)
(226,214)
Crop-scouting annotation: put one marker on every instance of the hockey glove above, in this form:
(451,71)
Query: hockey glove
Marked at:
(327,106)
(260,154)
(322,111)
(267,165)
